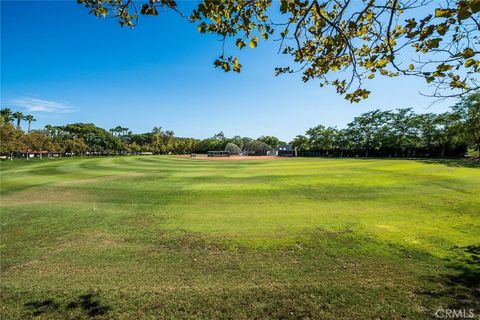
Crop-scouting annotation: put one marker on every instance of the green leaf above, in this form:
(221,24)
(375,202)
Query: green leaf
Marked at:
(468,53)
(469,63)
(444,67)
(463,13)
(240,43)
(434,43)
(443,13)
(226,66)
(475,6)
(202,27)
(442,29)
(236,66)
(253,42)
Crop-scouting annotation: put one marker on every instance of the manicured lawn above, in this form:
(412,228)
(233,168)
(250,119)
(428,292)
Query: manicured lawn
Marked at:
(165,237)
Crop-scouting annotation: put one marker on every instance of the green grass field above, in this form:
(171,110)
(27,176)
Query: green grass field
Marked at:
(165,237)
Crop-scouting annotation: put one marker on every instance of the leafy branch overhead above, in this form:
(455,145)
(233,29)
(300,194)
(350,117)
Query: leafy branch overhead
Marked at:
(341,43)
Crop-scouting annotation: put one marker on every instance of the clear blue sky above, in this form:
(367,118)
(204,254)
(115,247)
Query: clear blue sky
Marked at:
(63,65)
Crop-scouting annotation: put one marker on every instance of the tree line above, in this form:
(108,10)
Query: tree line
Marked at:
(392,133)
(399,133)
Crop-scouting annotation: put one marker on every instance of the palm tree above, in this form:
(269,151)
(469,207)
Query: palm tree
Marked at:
(30,119)
(6,114)
(19,116)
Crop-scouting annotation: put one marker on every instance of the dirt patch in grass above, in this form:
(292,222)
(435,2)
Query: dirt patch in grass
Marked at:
(231,158)
(61,192)
(91,241)
(45,195)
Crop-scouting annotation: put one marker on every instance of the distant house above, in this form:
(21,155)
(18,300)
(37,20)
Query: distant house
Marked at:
(285,147)
(286,150)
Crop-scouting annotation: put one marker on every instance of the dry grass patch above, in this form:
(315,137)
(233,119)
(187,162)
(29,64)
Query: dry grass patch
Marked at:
(46,195)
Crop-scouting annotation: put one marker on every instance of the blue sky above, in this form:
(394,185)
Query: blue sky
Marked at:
(63,65)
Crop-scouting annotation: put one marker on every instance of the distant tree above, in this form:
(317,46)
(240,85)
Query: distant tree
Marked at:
(75,146)
(19,117)
(447,127)
(301,143)
(97,139)
(468,110)
(272,141)
(38,141)
(237,140)
(322,138)
(219,136)
(6,114)
(365,128)
(343,141)
(11,138)
(29,118)
(401,126)
(133,147)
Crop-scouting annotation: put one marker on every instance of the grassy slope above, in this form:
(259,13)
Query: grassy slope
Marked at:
(294,238)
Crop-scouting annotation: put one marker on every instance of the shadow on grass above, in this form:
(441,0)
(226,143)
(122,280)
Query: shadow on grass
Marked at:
(40,307)
(461,287)
(451,162)
(459,163)
(88,303)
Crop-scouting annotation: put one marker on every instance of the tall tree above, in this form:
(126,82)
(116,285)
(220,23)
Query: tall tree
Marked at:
(301,143)
(19,116)
(366,128)
(400,127)
(29,118)
(469,111)
(322,138)
(6,114)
